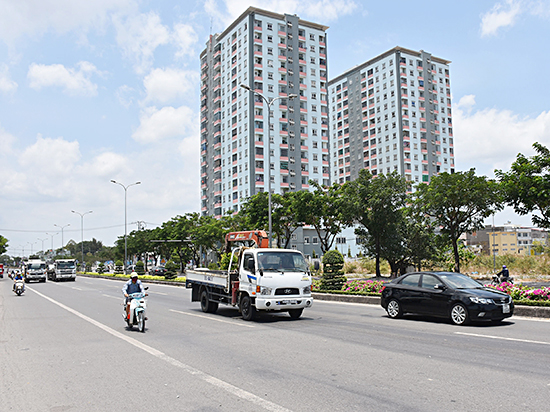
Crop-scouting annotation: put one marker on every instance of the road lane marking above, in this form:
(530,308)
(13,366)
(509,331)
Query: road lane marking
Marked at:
(234,390)
(76,288)
(113,297)
(502,338)
(160,293)
(211,318)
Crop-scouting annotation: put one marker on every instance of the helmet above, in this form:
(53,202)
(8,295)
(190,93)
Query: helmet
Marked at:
(134,275)
(503,266)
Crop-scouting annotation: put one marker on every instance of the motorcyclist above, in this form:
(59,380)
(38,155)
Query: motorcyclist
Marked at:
(16,277)
(133,285)
(504,274)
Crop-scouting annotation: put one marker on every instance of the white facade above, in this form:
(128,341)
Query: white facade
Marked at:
(275,55)
(392,113)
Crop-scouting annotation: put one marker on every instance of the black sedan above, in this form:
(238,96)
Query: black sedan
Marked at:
(445,294)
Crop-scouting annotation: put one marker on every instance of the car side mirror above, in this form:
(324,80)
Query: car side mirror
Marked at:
(439,287)
(250,265)
(316,265)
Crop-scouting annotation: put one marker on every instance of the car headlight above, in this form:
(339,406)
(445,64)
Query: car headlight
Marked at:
(483,301)
(307,290)
(265,290)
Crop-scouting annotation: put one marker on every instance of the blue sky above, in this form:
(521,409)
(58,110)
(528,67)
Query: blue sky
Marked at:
(108,89)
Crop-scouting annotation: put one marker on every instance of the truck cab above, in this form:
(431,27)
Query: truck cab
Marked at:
(35,269)
(64,269)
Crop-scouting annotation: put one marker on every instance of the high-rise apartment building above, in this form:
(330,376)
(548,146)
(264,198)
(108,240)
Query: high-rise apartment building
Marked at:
(392,113)
(278,56)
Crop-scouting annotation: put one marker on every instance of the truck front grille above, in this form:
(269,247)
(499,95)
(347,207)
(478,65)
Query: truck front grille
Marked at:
(287,291)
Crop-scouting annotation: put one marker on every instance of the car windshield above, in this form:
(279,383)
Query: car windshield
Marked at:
(65,265)
(282,261)
(459,281)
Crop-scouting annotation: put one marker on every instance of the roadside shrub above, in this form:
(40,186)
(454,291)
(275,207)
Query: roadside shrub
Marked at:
(140,267)
(333,274)
(119,267)
(171,270)
(101,268)
(224,262)
(213,266)
(363,286)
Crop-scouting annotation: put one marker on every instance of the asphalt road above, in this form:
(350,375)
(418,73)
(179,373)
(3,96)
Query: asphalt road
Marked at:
(65,347)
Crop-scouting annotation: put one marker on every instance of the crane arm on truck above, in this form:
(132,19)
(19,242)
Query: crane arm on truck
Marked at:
(258,238)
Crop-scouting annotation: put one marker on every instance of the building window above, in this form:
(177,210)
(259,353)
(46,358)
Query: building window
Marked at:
(314,240)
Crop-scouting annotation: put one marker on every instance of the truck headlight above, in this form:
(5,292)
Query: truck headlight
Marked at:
(265,290)
(307,290)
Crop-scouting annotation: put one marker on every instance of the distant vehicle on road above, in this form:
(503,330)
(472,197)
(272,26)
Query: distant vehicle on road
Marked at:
(34,269)
(63,269)
(157,271)
(445,294)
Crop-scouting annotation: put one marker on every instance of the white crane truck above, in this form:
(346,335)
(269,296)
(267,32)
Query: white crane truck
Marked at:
(266,279)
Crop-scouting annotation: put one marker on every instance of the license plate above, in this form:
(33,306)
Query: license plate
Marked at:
(288,302)
(506,308)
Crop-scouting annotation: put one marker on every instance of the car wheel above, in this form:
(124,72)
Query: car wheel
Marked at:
(207,305)
(247,309)
(394,309)
(459,314)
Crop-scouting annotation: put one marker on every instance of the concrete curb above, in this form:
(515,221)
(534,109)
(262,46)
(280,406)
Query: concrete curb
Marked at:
(519,310)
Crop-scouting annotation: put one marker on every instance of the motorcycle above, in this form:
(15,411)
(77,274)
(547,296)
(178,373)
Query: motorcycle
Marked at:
(19,287)
(136,315)
(497,280)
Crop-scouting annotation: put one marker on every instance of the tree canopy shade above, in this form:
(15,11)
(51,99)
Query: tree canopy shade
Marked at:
(376,205)
(526,186)
(458,203)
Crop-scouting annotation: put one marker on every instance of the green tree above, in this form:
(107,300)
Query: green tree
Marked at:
(376,204)
(527,185)
(458,203)
(3,244)
(324,210)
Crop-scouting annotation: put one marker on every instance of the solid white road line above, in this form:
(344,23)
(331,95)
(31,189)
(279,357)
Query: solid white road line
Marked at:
(244,325)
(234,390)
(502,338)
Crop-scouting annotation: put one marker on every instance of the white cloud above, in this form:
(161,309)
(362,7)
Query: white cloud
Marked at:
(501,15)
(125,95)
(139,36)
(322,11)
(184,38)
(168,122)
(166,85)
(7,85)
(490,139)
(74,82)
(31,17)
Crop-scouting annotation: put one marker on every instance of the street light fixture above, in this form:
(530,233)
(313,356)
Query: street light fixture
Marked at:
(82,232)
(62,239)
(269,105)
(125,218)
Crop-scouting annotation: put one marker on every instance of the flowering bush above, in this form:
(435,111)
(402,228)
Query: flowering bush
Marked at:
(356,286)
(521,292)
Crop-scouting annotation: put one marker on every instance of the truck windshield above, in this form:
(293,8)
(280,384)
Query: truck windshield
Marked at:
(65,265)
(37,266)
(282,261)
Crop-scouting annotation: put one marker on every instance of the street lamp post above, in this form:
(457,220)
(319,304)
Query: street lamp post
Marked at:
(43,240)
(269,103)
(82,232)
(125,218)
(52,235)
(32,251)
(62,238)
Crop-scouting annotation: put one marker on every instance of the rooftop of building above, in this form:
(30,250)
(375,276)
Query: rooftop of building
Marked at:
(383,56)
(267,13)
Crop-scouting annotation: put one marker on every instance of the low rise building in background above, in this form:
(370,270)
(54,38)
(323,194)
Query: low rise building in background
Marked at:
(508,239)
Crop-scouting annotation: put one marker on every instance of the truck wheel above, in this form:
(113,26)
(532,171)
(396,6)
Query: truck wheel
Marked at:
(208,306)
(295,313)
(247,309)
